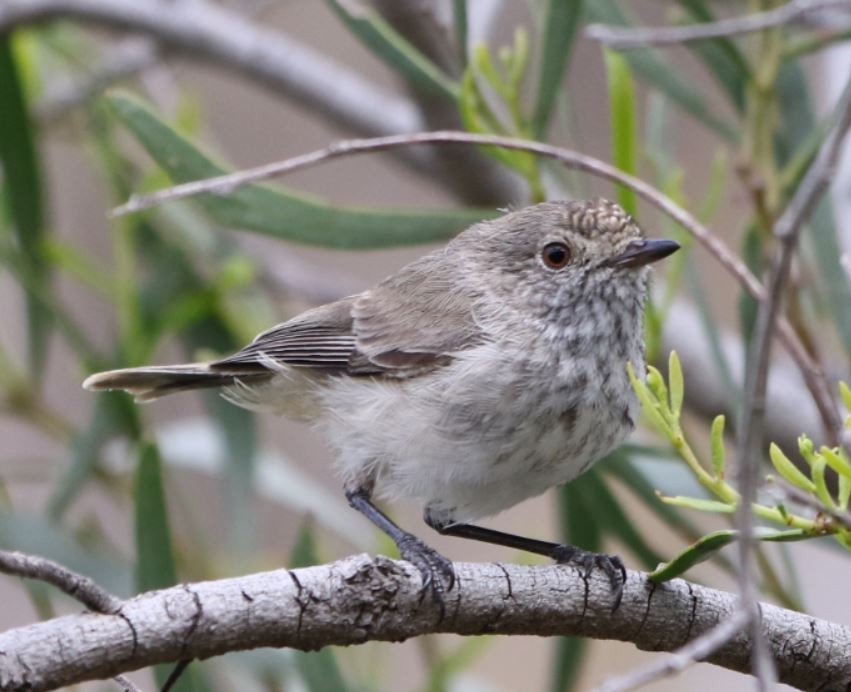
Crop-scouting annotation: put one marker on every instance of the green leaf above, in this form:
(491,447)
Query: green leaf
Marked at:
(21,176)
(654,69)
(393,48)
(285,214)
(797,123)
(675,383)
(644,471)
(822,491)
(319,669)
(716,438)
(788,470)
(579,527)
(707,546)
(459,17)
(613,520)
(114,414)
(623,123)
(649,403)
(442,673)
(711,332)
(845,393)
(33,534)
(560,23)
(700,504)
(748,305)
(720,56)
(155,565)
(569,657)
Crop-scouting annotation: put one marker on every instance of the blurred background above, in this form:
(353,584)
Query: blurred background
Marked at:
(192,488)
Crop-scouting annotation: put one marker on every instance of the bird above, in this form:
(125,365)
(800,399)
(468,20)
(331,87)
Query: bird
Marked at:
(475,377)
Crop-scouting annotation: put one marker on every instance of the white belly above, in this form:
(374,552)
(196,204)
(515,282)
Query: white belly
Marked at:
(475,438)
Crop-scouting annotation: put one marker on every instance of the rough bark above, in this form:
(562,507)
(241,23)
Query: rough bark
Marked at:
(359,599)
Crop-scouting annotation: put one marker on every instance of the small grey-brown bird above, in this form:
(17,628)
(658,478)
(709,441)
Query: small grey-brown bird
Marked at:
(475,377)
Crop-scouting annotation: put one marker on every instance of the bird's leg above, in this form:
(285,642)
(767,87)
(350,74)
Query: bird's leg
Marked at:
(561,553)
(436,570)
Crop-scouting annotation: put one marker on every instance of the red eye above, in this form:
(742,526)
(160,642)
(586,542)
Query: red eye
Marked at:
(556,255)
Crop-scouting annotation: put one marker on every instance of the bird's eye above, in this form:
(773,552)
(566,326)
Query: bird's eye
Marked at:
(555,255)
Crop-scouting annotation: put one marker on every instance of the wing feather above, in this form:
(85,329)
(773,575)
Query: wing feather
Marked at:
(410,323)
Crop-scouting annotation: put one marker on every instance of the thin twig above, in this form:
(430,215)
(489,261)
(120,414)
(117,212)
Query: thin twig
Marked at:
(696,650)
(126,684)
(637,37)
(175,674)
(789,492)
(85,590)
(226,184)
(787,230)
(202,29)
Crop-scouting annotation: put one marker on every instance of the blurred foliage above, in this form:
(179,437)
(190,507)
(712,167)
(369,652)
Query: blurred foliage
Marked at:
(177,275)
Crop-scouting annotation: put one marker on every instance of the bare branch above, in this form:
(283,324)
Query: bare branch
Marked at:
(223,185)
(637,37)
(362,599)
(698,649)
(787,231)
(201,29)
(125,684)
(77,586)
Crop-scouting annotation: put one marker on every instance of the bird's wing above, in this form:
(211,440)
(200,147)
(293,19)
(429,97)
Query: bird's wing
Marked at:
(408,324)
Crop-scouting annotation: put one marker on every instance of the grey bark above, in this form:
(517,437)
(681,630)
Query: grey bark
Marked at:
(360,599)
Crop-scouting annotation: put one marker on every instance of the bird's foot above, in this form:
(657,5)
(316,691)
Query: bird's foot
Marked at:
(612,565)
(437,573)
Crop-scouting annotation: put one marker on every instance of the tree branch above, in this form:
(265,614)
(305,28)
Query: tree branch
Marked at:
(75,585)
(363,599)
(638,37)
(201,29)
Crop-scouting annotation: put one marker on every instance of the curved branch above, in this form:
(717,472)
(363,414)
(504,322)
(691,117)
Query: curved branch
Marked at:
(639,37)
(361,599)
(201,29)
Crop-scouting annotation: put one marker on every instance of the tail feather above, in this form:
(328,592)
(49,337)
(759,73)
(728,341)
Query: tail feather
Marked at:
(149,383)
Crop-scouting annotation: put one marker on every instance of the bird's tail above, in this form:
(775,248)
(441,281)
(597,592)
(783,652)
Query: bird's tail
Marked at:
(149,383)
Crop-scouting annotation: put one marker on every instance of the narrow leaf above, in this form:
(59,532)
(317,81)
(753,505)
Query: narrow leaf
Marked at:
(393,49)
(155,566)
(623,123)
(579,527)
(675,383)
(613,520)
(285,214)
(560,23)
(788,470)
(716,438)
(114,414)
(845,393)
(21,175)
(700,504)
(319,669)
(721,56)
(459,17)
(707,546)
(655,70)
(822,490)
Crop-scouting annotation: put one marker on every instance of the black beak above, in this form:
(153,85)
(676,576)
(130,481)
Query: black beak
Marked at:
(641,252)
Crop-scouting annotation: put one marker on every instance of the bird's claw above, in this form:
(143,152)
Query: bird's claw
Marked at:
(437,573)
(612,565)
